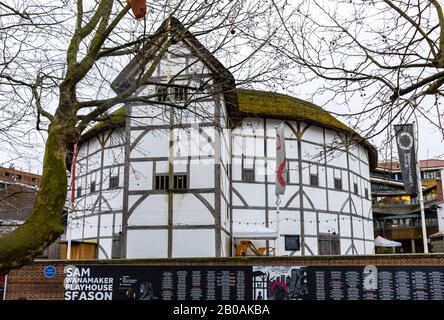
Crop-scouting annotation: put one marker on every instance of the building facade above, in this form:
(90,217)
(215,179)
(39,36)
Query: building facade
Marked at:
(397,214)
(177,175)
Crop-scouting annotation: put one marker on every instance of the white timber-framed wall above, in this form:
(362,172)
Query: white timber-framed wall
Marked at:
(307,210)
(129,218)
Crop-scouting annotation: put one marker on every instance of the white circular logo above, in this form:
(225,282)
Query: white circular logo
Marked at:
(405,141)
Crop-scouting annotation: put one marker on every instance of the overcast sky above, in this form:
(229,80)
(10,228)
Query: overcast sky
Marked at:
(431,144)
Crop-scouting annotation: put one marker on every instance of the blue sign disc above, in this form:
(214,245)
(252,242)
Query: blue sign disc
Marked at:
(50,271)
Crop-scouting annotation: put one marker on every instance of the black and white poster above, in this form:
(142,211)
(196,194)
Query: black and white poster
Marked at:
(407,156)
(279,283)
(99,282)
(113,282)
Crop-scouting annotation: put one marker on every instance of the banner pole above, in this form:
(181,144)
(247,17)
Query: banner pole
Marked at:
(420,193)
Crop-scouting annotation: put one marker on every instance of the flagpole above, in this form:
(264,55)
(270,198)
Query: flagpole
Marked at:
(278,203)
(420,193)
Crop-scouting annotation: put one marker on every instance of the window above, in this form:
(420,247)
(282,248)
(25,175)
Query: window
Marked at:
(162,182)
(338,183)
(355,189)
(79,191)
(6,174)
(114,182)
(180,94)
(93,186)
(19,177)
(314,180)
(292,243)
(248,175)
(162,94)
(180,182)
(328,244)
(366,193)
(34,180)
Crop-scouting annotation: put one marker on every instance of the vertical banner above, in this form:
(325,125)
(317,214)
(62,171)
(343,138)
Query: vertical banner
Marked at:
(281,160)
(407,156)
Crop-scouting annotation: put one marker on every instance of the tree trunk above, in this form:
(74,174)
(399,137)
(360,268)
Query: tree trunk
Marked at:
(44,225)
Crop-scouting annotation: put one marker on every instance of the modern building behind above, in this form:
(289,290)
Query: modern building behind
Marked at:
(397,214)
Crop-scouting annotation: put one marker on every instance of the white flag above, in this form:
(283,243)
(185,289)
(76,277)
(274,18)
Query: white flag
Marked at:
(281,161)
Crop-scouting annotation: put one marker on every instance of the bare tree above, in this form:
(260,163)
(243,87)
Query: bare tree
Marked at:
(59,61)
(381,59)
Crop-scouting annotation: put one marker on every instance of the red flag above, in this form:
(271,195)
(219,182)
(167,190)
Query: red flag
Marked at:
(281,161)
(138,7)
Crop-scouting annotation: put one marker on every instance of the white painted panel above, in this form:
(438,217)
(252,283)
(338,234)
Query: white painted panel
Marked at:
(94,145)
(289,221)
(337,158)
(312,152)
(152,211)
(113,156)
(149,114)
(369,247)
(106,225)
(260,170)
(365,171)
(360,246)
(162,167)
(337,200)
(254,147)
(358,231)
(356,205)
(201,174)
(244,216)
(116,138)
(191,211)
(253,126)
(332,138)
(312,243)
(193,243)
(105,251)
(153,144)
(328,223)
(82,150)
(363,154)
(289,193)
(147,244)
(354,164)
(254,194)
(345,228)
(354,150)
(76,229)
(314,134)
(114,199)
(369,233)
(318,198)
(330,178)
(321,176)
(291,149)
(293,167)
(118,223)
(310,224)
(141,176)
(93,163)
(345,245)
(91,227)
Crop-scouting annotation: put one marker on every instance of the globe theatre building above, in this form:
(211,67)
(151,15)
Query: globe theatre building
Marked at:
(182,174)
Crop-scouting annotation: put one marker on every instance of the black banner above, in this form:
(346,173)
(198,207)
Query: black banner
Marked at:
(407,156)
(157,283)
(238,283)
